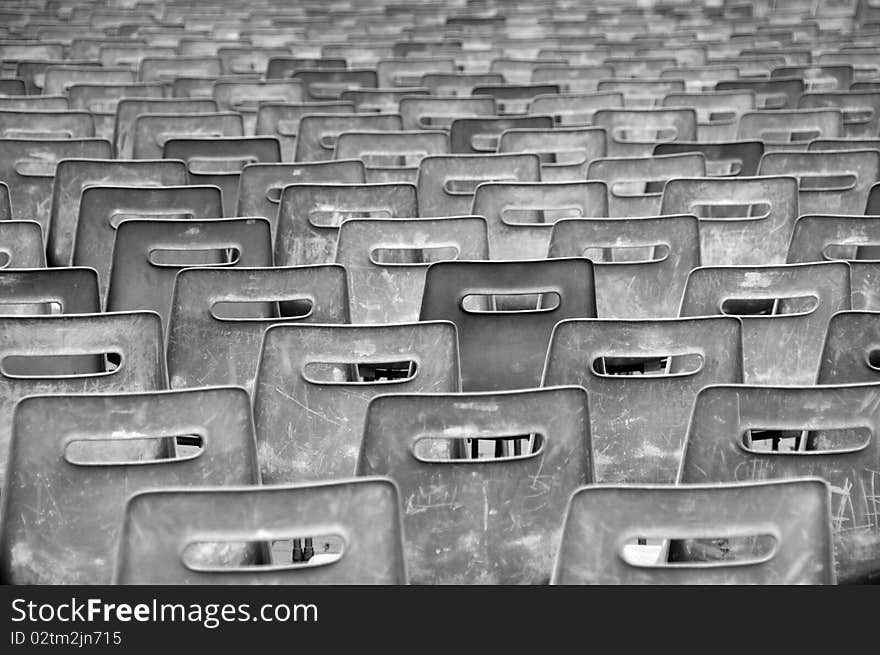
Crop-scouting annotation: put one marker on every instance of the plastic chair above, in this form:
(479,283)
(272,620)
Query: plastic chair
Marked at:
(314,383)
(282,121)
(521,215)
(829,182)
(260,185)
(218,161)
(639,421)
(386,261)
(150,132)
(128,109)
(854,239)
(391,156)
(743,220)
(849,353)
(161,526)
(447,183)
(147,256)
(790,130)
(28,167)
(635,184)
(837,428)
(231,308)
(102,208)
(566,152)
(784,311)
(723,158)
(480,521)
(504,307)
(72,176)
(429,113)
(135,338)
(317,134)
(601,519)
(310,215)
(91,453)
(641,265)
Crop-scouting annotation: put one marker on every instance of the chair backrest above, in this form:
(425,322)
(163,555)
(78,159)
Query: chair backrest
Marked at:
(446,183)
(134,337)
(166,69)
(317,134)
(478,135)
(382,101)
(854,239)
(456,84)
(152,131)
(46,124)
(565,152)
(829,182)
(72,176)
(639,421)
(28,168)
(850,352)
(21,244)
(310,215)
(520,215)
(790,129)
(246,96)
(227,310)
(102,99)
(386,261)
(408,71)
(128,109)
(718,112)
(641,265)
(572,79)
(260,185)
(364,514)
(282,120)
(861,110)
(58,79)
(281,67)
(600,520)
(35,290)
(838,430)
(487,507)
(784,310)
(743,220)
(102,208)
(147,256)
(328,84)
(642,93)
(818,78)
(219,161)
(69,518)
(514,99)
(635,132)
(535,295)
(777,93)
(421,113)
(635,184)
(391,156)
(723,158)
(314,383)
(574,108)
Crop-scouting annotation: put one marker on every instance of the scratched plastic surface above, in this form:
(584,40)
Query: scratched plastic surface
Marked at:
(62,521)
(715,453)
(481,521)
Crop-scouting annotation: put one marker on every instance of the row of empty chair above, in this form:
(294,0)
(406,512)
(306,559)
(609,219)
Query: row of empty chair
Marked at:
(461,293)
